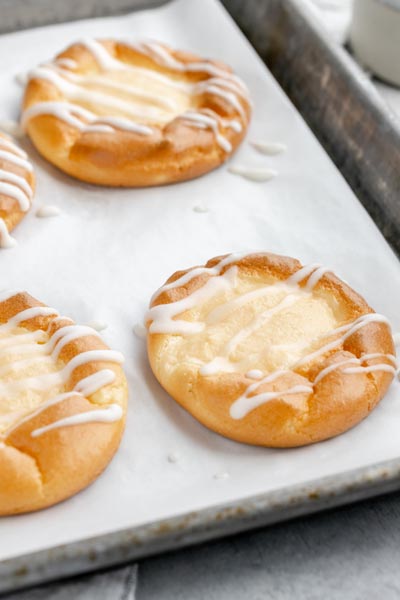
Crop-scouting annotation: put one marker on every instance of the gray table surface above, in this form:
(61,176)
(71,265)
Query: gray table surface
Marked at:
(349,553)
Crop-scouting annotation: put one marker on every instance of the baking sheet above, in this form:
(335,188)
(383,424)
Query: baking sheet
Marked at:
(110,249)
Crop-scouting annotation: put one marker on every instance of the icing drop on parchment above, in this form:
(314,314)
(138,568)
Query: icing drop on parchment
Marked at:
(140,331)
(199,208)
(269,148)
(48,210)
(98,325)
(221,475)
(259,174)
(21,78)
(173,457)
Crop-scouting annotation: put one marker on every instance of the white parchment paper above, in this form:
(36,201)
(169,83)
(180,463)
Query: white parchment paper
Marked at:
(111,249)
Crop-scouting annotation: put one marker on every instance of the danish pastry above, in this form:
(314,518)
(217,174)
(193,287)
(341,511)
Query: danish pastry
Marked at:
(123,114)
(266,351)
(62,405)
(17,183)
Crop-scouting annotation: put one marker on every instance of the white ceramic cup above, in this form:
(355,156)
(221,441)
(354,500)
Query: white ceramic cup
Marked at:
(375,37)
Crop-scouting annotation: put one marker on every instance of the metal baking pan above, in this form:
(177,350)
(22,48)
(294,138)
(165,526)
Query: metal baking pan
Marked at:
(338,101)
(358,132)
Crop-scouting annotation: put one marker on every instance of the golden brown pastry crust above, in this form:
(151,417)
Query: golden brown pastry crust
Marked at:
(36,472)
(176,150)
(338,401)
(10,211)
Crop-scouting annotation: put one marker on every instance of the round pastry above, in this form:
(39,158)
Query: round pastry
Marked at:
(63,400)
(17,183)
(122,114)
(266,351)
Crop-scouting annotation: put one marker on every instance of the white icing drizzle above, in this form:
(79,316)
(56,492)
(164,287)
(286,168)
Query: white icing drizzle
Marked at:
(48,210)
(192,273)
(235,125)
(8,144)
(216,365)
(27,314)
(333,367)
(19,182)
(390,357)
(370,369)
(229,97)
(101,55)
(124,124)
(6,240)
(315,277)
(254,374)
(253,173)
(396,339)
(13,191)
(93,383)
(205,121)
(67,334)
(75,93)
(259,321)
(302,274)
(91,355)
(163,56)
(220,83)
(209,84)
(163,317)
(13,186)
(349,330)
(162,323)
(16,160)
(269,148)
(82,119)
(109,414)
(46,353)
(65,111)
(69,63)
(245,404)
